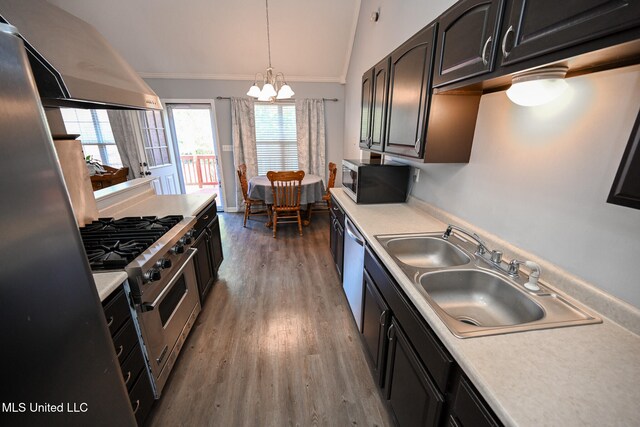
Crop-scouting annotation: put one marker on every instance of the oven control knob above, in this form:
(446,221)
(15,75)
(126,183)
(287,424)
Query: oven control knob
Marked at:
(186,240)
(178,248)
(163,263)
(152,275)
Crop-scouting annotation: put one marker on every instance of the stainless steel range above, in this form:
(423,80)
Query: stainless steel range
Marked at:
(156,253)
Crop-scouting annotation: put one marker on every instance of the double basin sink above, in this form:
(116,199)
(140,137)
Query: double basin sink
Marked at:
(470,295)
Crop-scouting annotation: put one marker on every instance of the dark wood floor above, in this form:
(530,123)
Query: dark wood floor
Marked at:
(275,344)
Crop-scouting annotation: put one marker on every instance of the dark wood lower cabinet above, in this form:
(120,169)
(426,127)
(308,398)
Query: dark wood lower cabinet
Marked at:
(209,245)
(467,407)
(205,274)
(336,235)
(375,322)
(422,383)
(413,398)
(129,352)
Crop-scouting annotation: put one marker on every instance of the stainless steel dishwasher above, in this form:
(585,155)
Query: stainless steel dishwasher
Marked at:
(353,266)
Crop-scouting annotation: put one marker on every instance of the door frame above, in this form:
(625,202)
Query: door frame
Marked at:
(140,139)
(214,132)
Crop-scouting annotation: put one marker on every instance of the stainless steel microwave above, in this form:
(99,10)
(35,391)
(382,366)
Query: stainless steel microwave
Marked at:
(370,182)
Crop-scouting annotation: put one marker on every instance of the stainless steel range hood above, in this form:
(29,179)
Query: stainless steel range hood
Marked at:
(73,65)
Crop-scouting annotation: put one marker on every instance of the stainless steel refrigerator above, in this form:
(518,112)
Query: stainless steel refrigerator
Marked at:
(56,350)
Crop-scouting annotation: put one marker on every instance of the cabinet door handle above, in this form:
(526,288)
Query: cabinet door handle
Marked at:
(128,378)
(137,406)
(504,41)
(120,350)
(206,217)
(110,322)
(484,51)
(384,312)
(389,337)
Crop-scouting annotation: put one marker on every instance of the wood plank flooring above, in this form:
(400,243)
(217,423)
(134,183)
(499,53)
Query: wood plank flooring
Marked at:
(275,344)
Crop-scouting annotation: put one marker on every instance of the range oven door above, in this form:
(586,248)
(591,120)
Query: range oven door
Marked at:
(166,321)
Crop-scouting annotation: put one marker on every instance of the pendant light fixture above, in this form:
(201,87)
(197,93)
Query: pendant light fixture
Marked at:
(538,87)
(274,85)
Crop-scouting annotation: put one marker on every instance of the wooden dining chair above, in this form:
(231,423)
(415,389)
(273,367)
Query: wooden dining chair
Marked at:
(286,187)
(325,204)
(333,171)
(251,206)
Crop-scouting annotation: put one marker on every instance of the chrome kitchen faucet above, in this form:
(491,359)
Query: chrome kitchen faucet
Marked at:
(494,257)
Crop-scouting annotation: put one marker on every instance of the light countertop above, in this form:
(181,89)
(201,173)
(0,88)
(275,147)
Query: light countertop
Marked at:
(575,376)
(108,282)
(178,204)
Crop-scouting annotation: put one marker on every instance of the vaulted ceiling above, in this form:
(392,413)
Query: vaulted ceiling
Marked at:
(311,40)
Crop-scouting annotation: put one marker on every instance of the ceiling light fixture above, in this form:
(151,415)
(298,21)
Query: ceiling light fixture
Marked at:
(274,84)
(538,87)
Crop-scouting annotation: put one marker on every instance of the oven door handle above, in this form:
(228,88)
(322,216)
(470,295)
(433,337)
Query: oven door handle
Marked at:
(152,306)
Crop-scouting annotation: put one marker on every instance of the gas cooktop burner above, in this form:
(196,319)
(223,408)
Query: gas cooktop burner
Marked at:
(116,254)
(133,223)
(112,244)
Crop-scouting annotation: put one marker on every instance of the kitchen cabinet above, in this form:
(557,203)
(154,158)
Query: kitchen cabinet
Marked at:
(336,235)
(209,245)
(626,185)
(380,78)
(413,398)
(409,94)
(535,28)
(375,322)
(366,102)
(467,407)
(467,40)
(422,384)
(121,325)
(205,274)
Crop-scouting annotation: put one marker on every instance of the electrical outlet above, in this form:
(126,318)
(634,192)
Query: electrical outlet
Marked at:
(416,174)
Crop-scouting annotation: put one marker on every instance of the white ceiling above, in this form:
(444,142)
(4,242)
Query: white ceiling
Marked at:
(311,40)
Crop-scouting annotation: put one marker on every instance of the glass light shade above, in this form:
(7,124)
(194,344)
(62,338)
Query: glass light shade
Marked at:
(539,86)
(285,92)
(264,97)
(254,91)
(536,92)
(268,90)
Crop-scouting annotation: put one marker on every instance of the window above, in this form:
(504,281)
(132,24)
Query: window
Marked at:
(156,149)
(95,134)
(276,140)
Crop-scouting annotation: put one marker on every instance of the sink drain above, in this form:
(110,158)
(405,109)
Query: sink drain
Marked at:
(468,320)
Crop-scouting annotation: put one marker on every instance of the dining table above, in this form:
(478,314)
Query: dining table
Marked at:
(311,191)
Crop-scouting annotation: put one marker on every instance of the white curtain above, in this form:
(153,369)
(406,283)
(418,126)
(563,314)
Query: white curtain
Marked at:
(311,136)
(243,135)
(124,125)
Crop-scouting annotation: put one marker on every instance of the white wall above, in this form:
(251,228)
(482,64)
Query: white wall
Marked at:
(538,177)
(210,89)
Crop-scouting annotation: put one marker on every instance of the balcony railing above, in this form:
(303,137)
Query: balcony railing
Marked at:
(199,170)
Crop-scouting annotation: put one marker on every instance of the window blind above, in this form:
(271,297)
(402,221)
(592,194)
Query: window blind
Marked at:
(95,134)
(276,140)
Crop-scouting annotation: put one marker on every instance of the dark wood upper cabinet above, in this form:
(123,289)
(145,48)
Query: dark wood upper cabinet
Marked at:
(626,186)
(409,94)
(365,108)
(379,110)
(467,40)
(534,28)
